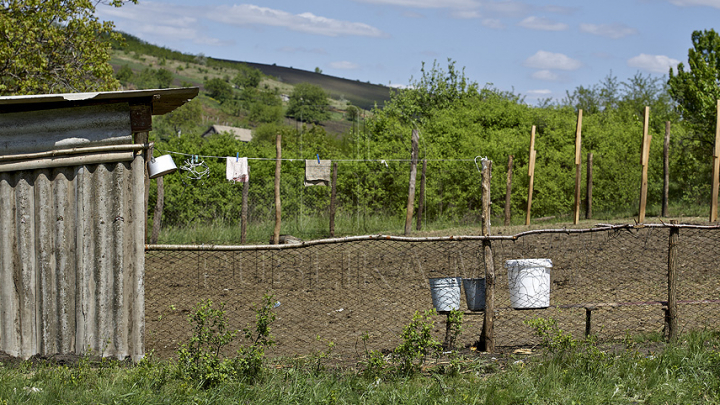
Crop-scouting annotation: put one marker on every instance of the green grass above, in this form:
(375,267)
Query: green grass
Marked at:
(305,228)
(687,372)
(311,227)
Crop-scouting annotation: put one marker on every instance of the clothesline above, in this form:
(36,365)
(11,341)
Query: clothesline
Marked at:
(334,160)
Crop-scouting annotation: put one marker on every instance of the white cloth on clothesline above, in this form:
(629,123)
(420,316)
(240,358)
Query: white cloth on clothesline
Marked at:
(317,173)
(237,169)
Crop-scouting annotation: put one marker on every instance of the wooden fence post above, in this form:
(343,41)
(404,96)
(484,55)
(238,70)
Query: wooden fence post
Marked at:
(413,174)
(578,167)
(588,199)
(157,215)
(716,169)
(278,164)
(508,191)
(671,321)
(531,174)
(333,194)
(244,212)
(666,171)
(421,202)
(488,332)
(644,160)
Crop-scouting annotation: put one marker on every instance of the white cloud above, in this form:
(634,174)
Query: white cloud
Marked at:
(466,14)
(426,3)
(249,14)
(613,31)
(653,63)
(690,3)
(550,60)
(344,65)
(542,92)
(508,8)
(543,24)
(159,22)
(546,75)
(493,23)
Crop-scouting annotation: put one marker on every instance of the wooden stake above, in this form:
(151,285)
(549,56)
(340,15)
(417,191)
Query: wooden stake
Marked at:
(488,332)
(333,194)
(421,202)
(672,282)
(588,200)
(244,212)
(157,215)
(578,168)
(278,164)
(531,174)
(666,171)
(644,159)
(508,191)
(716,169)
(413,174)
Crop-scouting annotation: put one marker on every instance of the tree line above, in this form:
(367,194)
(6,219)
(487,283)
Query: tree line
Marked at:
(457,120)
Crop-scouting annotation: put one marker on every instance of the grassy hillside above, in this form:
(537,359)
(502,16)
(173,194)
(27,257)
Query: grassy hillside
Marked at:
(363,95)
(146,60)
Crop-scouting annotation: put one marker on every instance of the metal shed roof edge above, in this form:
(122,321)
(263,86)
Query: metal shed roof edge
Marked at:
(163,100)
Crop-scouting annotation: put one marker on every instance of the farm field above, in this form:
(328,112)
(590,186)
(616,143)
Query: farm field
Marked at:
(343,291)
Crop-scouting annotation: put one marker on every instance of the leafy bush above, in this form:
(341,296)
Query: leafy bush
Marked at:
(201,359)
(249,359)
(418,342)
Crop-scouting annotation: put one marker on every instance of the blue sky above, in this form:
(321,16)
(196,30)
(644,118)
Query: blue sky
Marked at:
(539,49)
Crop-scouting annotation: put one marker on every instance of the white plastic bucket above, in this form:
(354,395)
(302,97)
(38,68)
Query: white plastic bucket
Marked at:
(529,282)
(161,166)
(445,292)
(474,293)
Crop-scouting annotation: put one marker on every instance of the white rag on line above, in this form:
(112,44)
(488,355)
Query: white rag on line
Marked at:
(237,169)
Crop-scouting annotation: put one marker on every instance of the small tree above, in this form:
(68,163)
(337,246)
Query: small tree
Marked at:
(164,78)
(124,75)
(308,103)
(219,89)
(247,76)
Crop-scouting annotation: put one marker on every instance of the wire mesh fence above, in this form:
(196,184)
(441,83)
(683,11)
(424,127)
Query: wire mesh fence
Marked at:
(360,292)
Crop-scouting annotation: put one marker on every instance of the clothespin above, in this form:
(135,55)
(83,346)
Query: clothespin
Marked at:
(318,157)
(237,156)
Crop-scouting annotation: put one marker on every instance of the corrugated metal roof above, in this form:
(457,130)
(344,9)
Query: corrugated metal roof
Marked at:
(163,100)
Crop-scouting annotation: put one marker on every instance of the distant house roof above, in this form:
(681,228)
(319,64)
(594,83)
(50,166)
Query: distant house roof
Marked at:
(241,134)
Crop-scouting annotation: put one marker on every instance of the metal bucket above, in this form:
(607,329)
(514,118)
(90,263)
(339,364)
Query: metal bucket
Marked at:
(161,166)
(474,293)
(445,292)
(529,282)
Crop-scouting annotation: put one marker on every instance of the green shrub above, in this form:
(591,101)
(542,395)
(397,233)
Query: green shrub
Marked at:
(201,359)
(418,343)
(249,360)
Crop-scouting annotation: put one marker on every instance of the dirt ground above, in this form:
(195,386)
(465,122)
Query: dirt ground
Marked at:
(360,295)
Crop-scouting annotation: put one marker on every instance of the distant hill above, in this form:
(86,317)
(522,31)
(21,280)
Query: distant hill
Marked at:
(363,95)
